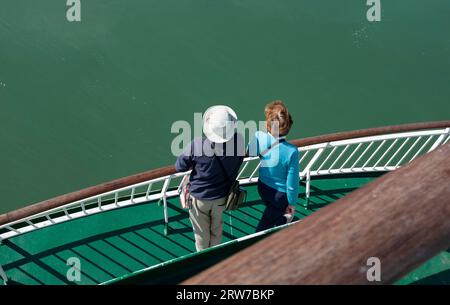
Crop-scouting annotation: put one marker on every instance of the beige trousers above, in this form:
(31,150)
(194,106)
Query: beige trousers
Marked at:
(206,219)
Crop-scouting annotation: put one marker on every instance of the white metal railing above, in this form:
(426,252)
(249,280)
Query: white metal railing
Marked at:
(359,155)
(368,154)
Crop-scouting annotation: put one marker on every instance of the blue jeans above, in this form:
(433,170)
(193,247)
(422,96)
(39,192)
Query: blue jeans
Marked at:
(276,203)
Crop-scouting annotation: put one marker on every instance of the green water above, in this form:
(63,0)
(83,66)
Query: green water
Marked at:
(83,103)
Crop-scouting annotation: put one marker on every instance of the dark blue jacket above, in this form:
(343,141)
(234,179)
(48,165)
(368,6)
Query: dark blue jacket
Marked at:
(208,179)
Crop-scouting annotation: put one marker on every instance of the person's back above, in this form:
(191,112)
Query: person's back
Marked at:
(215,161)
(208,180)
(278,181)
(279,166)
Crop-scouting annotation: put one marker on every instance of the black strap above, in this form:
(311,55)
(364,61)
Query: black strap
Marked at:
(271,146)
(225,174)
(213,146)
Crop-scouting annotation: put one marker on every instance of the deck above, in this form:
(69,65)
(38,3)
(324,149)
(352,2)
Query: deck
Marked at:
(113,244)
(129,243)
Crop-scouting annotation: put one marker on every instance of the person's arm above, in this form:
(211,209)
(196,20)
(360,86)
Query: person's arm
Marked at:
(293,179)
(185,160)
(253,147)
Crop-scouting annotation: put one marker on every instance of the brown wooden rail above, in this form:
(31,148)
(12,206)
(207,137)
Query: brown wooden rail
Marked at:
(152,174)
(401,218)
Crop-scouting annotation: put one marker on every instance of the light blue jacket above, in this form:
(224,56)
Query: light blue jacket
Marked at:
(279,166)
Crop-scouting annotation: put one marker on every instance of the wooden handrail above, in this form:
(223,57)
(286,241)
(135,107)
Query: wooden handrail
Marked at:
(156,173)
(84,193)
(400,218)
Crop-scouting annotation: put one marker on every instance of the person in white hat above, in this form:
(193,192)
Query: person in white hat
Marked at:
(215,161)
(219,123)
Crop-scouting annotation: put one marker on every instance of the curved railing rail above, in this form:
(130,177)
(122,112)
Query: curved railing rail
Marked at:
(370,150)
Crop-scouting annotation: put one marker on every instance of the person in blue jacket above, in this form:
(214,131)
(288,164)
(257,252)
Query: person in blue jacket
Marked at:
(279,180)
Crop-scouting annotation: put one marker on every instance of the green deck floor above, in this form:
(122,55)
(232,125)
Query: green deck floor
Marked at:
(117,243)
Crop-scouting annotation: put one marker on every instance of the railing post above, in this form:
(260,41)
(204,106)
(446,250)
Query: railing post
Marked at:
(149,188)
(308,187)
(164,199)
(3,276)
(133,190)
(440,139)
(308,171)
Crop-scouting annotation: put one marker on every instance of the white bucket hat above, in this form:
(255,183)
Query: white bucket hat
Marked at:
(219,123)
